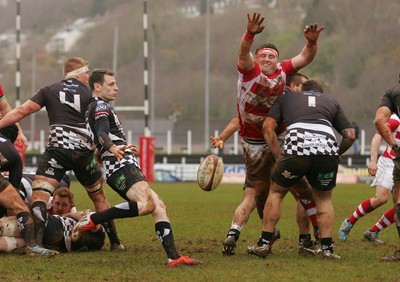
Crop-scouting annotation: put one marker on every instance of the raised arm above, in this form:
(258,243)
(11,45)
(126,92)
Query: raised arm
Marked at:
(307,54)
(254,26)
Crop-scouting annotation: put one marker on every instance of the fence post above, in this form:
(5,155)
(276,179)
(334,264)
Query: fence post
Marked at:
(189,142)
(169,142)
(236,143)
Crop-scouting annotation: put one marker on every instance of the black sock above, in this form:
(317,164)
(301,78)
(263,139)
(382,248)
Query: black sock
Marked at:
(164,234)
(39,215)
(327,244)
(26,227)
(305,240)
(127,209)
(233,232)
(266,237)
(109,227)
(305,236)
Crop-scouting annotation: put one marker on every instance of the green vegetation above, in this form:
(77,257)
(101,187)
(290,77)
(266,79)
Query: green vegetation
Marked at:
(200,221)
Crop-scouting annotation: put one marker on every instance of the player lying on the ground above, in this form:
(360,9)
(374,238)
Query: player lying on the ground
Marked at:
(60,234)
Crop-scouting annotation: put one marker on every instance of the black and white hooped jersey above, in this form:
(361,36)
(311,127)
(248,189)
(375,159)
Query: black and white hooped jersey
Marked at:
(311,118)
(66,103)
(100,111)
(58,232)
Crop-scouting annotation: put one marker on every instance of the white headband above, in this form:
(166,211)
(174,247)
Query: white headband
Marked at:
(77,71)
(273,51)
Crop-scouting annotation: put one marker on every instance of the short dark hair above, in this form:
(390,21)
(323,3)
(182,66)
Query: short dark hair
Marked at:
(11,132)
(97,76)
(296,79)
(312,85)
(267,45)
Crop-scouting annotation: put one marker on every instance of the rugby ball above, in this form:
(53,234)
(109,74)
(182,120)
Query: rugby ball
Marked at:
(210,172)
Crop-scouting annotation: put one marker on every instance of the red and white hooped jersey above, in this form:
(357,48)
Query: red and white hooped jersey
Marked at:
(256,93)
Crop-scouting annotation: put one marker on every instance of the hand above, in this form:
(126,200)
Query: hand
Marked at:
(118,152)
(372,168)
(311,32)
(217,142)
(254,24)
(22,141)
(131,147)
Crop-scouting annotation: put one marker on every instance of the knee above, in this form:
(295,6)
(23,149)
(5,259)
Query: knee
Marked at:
(149,205)
(380,200)
(96,187)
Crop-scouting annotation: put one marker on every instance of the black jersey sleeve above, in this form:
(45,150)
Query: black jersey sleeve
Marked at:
(391,99)
(39,96)
(103,128)
(13,164)
(102,113)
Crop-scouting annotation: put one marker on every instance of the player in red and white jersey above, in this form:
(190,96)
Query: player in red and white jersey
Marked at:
(382,169)
(262,79)
(306,211)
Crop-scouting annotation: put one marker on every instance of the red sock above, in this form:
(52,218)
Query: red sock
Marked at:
(364,208)
(310,210)
(386,220)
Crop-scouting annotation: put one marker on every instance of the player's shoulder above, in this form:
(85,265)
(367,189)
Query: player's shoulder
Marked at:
(393,91)
(101,105)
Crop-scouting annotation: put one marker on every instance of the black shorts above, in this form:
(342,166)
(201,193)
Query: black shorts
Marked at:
(320,171)
(55,162)
(123,179)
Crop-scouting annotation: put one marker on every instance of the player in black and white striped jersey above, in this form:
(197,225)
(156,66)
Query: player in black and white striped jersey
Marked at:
(69,147)
(60,234)
(122,170)
(311,150)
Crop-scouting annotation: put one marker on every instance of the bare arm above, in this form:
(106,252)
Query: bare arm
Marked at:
(349,135)
(19,113)
(375,145)
(307,54)
(4,109)
(254,26)
(270,136)
(381,118)
(75,215)
(233,125)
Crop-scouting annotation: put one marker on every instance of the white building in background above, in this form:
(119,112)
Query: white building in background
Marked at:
(64,40)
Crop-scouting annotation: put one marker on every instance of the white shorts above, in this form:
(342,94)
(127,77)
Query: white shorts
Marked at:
(384,174)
